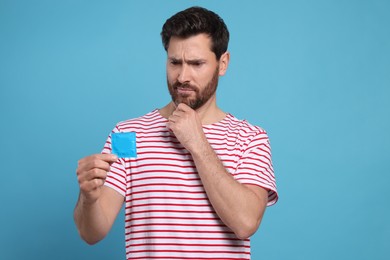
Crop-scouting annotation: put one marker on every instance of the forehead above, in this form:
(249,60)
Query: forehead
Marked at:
(198,45)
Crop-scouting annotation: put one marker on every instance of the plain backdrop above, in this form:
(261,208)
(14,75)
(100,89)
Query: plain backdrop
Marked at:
(314,74)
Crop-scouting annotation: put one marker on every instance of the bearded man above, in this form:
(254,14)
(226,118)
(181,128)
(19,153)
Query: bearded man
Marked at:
(201,179)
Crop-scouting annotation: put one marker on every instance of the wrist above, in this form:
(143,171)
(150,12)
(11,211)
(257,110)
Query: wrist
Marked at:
(202,149)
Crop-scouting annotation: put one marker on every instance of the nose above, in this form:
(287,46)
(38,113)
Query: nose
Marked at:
(184,74)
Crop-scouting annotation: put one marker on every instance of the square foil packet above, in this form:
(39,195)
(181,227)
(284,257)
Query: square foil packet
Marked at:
(124,144)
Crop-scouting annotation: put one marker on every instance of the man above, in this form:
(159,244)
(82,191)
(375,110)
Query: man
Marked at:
(201,180)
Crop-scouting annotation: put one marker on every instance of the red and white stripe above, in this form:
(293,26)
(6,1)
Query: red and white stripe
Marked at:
(168,215)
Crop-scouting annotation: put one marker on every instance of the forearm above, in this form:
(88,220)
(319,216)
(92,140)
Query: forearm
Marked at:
(91,221)
(238,206)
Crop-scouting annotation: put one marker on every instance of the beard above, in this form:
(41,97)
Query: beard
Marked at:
(201,96)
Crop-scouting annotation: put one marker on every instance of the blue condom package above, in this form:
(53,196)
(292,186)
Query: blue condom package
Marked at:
(124,145)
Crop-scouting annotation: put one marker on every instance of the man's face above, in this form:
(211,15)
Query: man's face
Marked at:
(192,70)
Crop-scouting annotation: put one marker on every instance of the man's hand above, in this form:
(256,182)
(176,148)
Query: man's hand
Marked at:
(187,127)
(98,205)
(91,174)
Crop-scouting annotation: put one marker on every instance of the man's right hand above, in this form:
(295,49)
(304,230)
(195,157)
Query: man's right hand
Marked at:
(91,174)
(98,205)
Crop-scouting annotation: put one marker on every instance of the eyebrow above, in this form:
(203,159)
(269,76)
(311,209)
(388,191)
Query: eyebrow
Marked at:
(189,61)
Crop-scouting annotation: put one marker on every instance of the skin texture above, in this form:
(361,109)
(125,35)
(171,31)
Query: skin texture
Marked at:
(192,76)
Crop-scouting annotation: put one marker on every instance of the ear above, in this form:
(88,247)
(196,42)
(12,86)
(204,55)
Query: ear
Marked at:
(224,63)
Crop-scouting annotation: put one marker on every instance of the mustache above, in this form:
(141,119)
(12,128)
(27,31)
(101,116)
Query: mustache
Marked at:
(186,85)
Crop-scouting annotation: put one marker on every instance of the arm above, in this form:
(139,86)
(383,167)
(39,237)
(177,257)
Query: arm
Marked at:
(240,207)
(98,205)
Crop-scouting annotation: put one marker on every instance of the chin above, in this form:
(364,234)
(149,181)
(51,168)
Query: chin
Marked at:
(177,101)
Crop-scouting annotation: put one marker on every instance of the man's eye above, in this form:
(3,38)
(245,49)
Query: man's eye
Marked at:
(197,64)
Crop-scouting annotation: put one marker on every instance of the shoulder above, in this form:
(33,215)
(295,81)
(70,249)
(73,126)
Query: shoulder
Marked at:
(240,130)
(249,136)
(243,126)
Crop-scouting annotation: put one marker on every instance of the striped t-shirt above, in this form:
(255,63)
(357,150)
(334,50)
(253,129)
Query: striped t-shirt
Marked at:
(167,212)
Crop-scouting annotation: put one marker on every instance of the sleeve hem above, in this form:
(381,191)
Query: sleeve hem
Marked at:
(273,196)
(116,188)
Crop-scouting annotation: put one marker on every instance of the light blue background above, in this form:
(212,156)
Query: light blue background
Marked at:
(314,74)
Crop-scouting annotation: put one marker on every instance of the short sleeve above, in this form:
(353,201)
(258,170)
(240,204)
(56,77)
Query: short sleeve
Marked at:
(116,177)
(255,166)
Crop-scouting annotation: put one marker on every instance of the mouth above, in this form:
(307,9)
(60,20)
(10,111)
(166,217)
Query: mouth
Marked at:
(184,90)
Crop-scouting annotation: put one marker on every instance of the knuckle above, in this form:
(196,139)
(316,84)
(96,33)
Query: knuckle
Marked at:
(84,186)
(95,172)
(99,182)
(94,163)
(79,179)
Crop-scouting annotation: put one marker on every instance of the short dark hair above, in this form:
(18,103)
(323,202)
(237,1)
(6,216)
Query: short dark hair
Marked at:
(194,21)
